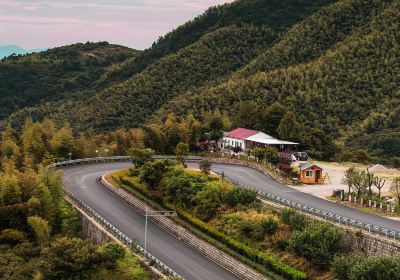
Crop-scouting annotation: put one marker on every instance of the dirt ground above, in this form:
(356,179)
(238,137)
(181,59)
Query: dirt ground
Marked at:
(334,173)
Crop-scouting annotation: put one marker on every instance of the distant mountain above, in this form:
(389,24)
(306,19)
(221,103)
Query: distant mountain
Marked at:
(11,49)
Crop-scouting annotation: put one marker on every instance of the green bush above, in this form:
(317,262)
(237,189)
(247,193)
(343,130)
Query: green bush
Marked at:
(134,172)
(266,260)
(237,196)
(319,243)
(356,267)
(295,220)
(11,236)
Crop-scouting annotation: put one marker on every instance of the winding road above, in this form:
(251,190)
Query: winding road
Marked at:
(81,180)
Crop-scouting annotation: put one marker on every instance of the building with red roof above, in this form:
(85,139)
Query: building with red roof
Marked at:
(246,139)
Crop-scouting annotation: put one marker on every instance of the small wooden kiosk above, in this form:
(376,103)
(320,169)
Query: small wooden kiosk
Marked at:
(311,173)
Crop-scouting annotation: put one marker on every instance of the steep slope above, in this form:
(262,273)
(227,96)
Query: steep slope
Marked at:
(334,64)
(278,15)
(227,43)
(347,85)
(55,74)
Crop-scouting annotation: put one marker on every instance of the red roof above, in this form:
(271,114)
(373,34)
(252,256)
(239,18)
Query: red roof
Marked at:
(240,133)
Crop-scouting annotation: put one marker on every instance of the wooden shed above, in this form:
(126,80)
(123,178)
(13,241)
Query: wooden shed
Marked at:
(311,173)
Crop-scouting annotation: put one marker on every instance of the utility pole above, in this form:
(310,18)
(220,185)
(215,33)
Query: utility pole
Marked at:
(151,213)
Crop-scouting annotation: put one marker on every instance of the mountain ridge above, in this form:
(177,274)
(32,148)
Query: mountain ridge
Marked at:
(8,50)
(315,64)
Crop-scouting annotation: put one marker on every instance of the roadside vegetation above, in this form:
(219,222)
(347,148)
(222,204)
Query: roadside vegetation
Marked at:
(39,231)
(285,242)
(364,189)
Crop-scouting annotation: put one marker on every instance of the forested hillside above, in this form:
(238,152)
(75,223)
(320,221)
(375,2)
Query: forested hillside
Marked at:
(60,73)
(328,70)
(40,233)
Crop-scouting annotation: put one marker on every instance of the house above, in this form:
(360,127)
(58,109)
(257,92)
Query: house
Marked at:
(247,139)
(311,173)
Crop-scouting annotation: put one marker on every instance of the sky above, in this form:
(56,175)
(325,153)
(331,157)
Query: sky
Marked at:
(133,23)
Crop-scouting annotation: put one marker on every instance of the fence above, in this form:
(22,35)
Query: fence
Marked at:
(122,237)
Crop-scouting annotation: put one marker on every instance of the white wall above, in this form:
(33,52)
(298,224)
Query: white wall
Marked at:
(233,142)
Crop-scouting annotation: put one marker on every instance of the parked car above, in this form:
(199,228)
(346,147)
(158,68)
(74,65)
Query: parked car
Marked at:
(303,156)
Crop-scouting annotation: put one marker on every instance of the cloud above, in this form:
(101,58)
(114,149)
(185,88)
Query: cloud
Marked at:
(112,20)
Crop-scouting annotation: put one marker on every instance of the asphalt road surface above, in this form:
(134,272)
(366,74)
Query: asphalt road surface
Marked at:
(253,178)
(81,180)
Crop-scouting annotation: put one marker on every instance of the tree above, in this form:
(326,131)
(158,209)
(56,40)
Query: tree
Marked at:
(69,258)
(140,157)
(318,243)
(289,128)
(365,267)
(48,206)
(205,166)
(272,118)
(215,123)
(11,191)
(111,253)
(181,151)
(258,153)
(360,182)
(395,189)
(152,173)
(180,189)
(207,202)
(348,178)
(370,178)
(379,183)
(41,228)
(62,142)
(270,153)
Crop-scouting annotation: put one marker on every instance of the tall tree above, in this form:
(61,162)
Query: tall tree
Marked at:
(289,129)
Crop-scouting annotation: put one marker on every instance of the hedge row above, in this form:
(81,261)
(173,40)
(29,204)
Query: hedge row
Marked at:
(267,260)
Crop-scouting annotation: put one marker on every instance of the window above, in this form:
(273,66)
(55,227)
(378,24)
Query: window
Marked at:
(309,173)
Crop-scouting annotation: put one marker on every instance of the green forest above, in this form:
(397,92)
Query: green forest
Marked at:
(328,69)
(40,233)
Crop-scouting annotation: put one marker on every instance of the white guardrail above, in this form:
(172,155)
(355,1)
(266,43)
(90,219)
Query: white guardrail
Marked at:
(304,208)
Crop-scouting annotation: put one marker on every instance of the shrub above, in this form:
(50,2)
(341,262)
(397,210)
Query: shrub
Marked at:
(134,172)
(292,218)
(366,267)
(269,226)
(237,196)
(282,244)
(141,156)
(151,173)
(318,243)
(11,236)
(205,166)
(270,262)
